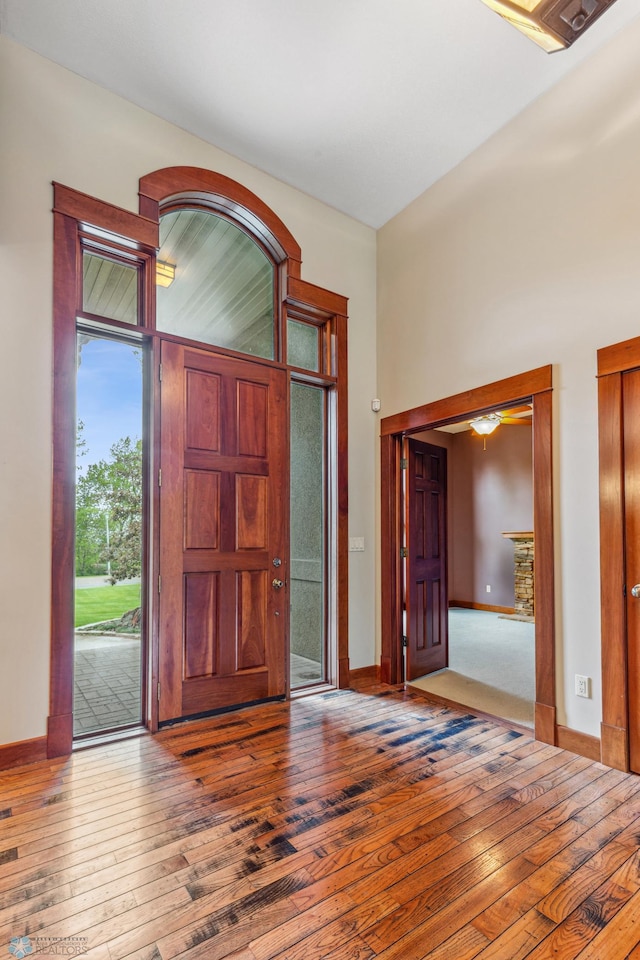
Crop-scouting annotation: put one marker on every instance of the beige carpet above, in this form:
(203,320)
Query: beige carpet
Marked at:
(491,666)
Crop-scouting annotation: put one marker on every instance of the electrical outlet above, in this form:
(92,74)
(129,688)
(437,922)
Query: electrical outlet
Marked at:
(583,686)
(488,588)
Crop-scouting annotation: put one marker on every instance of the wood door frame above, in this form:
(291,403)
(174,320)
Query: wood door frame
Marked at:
(72,210)
(613,362)
(534,386)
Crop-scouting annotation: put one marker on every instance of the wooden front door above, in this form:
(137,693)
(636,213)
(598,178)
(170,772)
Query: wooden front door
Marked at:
(631,448)
(426,576)
(223,561)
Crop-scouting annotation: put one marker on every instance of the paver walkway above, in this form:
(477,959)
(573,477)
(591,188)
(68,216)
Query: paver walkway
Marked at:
(107,682)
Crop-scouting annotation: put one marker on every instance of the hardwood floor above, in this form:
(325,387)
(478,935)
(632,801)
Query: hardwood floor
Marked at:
(346,826)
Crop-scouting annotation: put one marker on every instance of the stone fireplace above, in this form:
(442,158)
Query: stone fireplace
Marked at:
(523,575)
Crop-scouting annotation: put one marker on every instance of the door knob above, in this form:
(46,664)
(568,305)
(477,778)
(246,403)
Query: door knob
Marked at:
(635,591)
(277,584)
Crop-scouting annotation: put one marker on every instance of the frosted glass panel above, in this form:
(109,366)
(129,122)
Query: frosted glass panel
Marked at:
(308,576)
(223,291)
(302,345)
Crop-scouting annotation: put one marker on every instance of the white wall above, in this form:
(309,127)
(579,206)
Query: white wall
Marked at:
(526,254)
(57,126)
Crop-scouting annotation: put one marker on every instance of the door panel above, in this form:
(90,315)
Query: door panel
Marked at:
(223,519)
(426,577)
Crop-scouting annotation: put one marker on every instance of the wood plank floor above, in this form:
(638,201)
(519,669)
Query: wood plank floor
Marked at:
(345,826)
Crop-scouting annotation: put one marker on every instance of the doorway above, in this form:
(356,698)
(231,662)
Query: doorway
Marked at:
(216,463)
(533,387)
(489,493)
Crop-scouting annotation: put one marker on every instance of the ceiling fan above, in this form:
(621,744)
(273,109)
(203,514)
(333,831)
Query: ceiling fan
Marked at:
(487,423)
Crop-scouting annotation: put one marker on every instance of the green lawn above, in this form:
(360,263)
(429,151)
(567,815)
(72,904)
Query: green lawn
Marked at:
(96,604)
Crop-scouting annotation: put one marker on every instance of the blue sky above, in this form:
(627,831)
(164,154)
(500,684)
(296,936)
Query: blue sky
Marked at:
(109,396)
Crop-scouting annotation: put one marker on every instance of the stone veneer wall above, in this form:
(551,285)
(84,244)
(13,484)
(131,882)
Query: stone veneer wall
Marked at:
(523,559)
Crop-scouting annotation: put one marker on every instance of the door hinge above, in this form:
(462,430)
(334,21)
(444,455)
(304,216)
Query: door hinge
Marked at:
(159,476)
(404,552)
(158,693)
(159,583)
(624,589)
(404,463)
(405,641)
(160,372)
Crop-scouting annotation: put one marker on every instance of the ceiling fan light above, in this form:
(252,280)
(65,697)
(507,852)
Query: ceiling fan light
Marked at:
(552,24)
(485,425)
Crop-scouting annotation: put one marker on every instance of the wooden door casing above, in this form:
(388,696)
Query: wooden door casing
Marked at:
(223,625)
(533,386)
(618,371)
(426,576)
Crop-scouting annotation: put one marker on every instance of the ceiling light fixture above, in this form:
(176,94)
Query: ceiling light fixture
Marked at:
(486,424)
(552,24)
(165,273)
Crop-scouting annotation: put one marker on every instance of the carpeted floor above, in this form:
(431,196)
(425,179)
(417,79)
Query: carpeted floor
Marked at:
(491,665)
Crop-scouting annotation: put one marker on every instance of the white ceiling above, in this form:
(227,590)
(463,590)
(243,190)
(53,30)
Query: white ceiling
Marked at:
(360,103)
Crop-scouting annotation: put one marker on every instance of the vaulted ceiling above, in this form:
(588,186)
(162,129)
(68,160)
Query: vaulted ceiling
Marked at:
(363,104)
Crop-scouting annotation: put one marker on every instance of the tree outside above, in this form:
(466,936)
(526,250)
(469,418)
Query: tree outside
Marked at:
(109,513)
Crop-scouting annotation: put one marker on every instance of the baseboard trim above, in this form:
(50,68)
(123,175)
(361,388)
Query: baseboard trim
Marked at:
(467,605)
(364,676)
(23,751)
(582,743)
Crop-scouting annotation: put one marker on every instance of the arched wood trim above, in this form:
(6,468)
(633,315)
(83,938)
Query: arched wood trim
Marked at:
(158,189)
(534,386)
(613,361)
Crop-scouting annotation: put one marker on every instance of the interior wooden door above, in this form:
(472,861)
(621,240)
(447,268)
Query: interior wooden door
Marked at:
(426,570)
(224,502)
(631,420)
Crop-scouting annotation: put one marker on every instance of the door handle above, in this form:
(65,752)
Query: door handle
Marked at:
(635,591)
(277,584)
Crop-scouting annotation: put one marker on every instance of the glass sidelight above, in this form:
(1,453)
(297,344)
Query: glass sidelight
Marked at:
(108,536)
(308,535)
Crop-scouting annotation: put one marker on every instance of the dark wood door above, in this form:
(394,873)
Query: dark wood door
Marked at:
(631,419)
(224,503)
(426,570)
